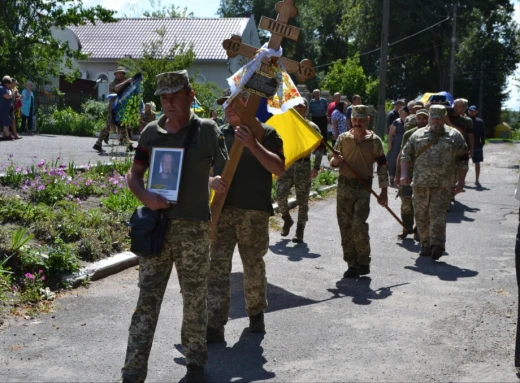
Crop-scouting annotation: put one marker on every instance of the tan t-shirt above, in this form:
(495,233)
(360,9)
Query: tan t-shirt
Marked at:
(361,156)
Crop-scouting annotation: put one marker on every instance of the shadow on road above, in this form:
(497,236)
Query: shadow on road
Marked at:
(444,271)
(244,362)
(360,291)
(278,298)
(457,211)
(294,253)
(477,188)
(410,245)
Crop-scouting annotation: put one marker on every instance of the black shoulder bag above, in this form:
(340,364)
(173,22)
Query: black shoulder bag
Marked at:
(148,227)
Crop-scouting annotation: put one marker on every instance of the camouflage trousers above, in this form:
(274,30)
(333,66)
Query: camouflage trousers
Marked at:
(124,138)
(406,195)
(187,246)
(352,209)
(299,176)
(430,205)
(250,230)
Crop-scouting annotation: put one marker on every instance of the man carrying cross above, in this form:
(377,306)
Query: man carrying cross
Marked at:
(244,220)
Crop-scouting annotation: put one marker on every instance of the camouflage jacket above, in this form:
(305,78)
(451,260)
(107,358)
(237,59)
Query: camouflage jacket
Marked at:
(436,166)
(410,122)
(362,156)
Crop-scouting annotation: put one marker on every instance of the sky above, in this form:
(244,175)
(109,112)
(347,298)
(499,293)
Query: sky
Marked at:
(208,8)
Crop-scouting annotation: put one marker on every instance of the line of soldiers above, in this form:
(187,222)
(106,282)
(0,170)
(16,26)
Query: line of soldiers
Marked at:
(204,260)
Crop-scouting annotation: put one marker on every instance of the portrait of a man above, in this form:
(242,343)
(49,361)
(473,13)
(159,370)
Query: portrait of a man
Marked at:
(168,173)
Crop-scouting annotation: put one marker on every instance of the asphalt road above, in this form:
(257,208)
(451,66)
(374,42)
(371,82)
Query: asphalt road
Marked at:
(412,320)
(49,147)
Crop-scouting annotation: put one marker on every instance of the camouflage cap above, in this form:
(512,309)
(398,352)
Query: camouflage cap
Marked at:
(422,111)
(360,111)
(171,82)
(418,104)
(226,93)
(120,69)
(437,111)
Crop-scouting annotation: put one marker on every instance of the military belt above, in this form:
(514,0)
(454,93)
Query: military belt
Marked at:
(354,182)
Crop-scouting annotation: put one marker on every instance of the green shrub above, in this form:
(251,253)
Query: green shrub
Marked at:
(95,110)
(68,122)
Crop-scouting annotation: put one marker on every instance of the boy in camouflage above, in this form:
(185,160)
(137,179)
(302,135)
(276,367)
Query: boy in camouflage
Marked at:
(361,149)
(300,176)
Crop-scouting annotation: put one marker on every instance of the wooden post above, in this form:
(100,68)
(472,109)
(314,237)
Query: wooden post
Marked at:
(279,29)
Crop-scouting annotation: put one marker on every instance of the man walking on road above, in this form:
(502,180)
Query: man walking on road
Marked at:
(318,111)
(406,191)
(479,134)
(186,242)
(115,86)
(439,155)
(300,176)
(244,220)
(361,149)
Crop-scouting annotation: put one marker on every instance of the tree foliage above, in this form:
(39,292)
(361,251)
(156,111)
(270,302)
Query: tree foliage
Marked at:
(28,48)
(487,43)
(157,10)
(158,58)
(348,77)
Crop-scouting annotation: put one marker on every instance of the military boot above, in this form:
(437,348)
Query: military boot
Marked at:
(436,252)
(425,251)
(352,272)
(256,323)
(287,223)
(214,336)
(300,228)
(195,374)
(363,269)
(98,148)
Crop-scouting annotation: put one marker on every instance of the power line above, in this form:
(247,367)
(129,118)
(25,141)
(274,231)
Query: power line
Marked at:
(390,44)
(413,53)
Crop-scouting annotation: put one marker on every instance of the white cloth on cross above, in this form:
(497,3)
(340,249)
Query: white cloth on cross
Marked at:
(287,95)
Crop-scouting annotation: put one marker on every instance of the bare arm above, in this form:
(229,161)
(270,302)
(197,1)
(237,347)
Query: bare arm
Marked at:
(7,96)
(135,181)
(118,87)
(391,134)
(335,130)
(269,160)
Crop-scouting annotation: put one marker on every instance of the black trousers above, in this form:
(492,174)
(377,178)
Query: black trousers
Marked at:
(29,121)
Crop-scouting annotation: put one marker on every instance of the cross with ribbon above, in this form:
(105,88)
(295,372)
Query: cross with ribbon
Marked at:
(265,76)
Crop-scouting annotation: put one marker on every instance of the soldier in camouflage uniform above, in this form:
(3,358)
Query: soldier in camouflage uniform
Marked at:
(147,116)
(188,235)
(361,149)
(406,191)
(439,155)
(244,220)
(115,86)
(300,176)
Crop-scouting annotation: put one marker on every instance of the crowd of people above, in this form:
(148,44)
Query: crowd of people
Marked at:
(15,107)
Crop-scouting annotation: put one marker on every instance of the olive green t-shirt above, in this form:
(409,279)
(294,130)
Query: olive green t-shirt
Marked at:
(206,149)
(251,185)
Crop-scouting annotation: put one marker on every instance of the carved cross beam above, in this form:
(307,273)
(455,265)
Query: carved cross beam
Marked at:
(279,29)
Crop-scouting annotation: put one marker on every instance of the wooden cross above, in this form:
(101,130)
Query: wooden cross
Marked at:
(279,29)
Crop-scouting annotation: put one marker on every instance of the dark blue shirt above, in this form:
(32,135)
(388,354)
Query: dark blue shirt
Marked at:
(318,108)
(479,132)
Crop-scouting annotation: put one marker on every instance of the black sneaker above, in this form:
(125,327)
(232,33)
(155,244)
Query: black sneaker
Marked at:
(195,374)
(214,336)
(98,148)
(437,252)
(363,269)
(425,251)
(256,323)
(352,272)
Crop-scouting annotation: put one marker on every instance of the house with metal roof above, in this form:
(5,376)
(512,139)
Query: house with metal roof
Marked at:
(108,43)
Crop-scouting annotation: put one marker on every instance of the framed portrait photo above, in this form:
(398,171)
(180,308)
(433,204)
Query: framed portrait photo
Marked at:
(165,172)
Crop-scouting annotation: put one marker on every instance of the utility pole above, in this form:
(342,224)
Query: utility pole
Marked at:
(453,46)
(481,91)
(381,115)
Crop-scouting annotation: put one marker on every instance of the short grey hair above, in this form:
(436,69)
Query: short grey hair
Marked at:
(316,90)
